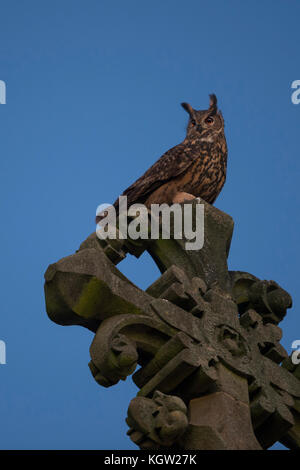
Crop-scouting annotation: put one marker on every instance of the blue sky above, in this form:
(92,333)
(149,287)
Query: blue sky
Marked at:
(93,99)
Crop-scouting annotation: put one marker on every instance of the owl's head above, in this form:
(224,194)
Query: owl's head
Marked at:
(205,125)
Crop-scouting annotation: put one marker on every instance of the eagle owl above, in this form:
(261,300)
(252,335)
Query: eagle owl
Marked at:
(195,167)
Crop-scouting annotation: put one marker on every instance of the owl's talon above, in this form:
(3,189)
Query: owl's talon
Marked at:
(189,201)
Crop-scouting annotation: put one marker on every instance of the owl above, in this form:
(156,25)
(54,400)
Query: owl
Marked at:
(194,168)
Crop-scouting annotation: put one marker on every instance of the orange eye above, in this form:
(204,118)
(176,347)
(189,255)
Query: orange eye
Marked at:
(209,120)
(193,122)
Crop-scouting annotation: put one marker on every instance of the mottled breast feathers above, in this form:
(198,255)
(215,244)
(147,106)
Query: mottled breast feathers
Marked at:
(172,164)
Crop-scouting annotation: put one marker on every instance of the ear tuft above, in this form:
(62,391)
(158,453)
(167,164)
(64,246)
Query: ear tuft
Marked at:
(212,100)
(213,103)
(188,108)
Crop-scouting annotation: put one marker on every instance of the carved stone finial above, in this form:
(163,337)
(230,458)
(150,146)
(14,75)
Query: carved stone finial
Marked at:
(205,338)
(156,422)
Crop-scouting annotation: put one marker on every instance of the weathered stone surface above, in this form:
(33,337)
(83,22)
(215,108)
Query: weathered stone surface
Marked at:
(114,350)
(292,438)
(227,417)
(266,297)
(205,339)
(86,288)
(199,437)
(209,263)
(157,422)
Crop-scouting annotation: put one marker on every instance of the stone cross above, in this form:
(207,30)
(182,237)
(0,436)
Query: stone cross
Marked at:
(212,372)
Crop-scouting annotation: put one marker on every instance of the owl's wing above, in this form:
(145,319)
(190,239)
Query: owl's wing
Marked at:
(174,162)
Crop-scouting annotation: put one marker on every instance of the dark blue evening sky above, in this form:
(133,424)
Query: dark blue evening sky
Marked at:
(93,99)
